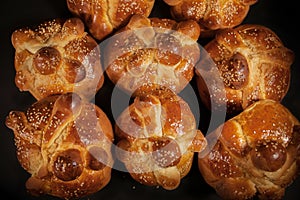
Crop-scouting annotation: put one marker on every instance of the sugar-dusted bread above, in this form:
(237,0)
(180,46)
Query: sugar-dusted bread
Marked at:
(157,138)
(153,53)
(56,57)
(212,15)
(257,153)
(253,64)
(103,17)
(65,143)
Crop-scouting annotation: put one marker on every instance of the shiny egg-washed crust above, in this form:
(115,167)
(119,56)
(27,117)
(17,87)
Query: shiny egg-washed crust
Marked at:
(64,142)
(157,138)
(153,52)
(212,15)
(253,64)
(57,57)
(258,153)
(103,17)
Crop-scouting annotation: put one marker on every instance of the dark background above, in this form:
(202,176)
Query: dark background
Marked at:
(281,16)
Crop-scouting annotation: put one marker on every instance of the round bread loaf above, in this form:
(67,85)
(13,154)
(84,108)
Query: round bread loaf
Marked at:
(152,53)
(65,143)
(157,137)
(57,57)
(252,63)
(257,153)
(212,15)
(103,17)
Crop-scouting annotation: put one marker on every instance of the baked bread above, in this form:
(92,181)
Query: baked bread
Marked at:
(153,53)
(57,57)
(212,15)
(103,17)
(257,153)
(252,63)
(156,139)
(64,142)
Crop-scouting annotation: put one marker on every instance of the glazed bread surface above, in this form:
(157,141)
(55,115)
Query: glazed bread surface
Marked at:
(257,153)
(57,56)
(212,15)
(153,53)
(253,64)
(157,138)
(65,143)
(103,17)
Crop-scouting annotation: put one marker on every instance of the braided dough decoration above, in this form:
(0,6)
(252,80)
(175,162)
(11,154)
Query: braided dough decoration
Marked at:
(57,57)
(258,153)
(157,138)
(103,17)
(253,64)
(65,144)
(153,53)
(212,15)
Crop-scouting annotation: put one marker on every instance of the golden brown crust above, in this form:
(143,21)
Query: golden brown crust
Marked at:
(64,142)
(153,52)
(212,15)
(57,57)
(103,17)
(157,138)
(256,153)
(253,63)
